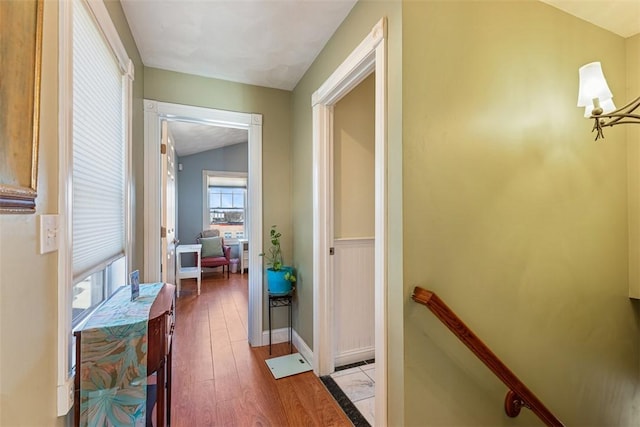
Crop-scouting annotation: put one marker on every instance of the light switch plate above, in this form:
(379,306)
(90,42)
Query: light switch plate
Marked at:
(49,232)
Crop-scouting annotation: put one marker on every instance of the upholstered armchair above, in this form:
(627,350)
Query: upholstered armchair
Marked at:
(214,253)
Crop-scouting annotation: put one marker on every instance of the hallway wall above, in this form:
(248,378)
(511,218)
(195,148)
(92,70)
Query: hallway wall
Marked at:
(232,158)
(514,215)
(351,32)
(353,162)
(28,280)
(632,45)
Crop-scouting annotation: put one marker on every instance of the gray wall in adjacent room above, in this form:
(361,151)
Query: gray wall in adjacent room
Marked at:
(232,158)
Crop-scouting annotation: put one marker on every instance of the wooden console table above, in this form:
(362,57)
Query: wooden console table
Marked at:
(115,368)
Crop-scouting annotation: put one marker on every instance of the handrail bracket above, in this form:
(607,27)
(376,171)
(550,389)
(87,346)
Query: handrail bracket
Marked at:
(513,404)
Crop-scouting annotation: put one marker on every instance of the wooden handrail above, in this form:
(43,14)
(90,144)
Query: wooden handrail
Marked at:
(518,395)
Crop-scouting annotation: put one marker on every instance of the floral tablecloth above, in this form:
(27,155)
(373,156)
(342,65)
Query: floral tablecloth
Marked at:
(113,351)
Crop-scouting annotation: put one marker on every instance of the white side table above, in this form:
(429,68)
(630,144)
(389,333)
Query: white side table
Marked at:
(188,272)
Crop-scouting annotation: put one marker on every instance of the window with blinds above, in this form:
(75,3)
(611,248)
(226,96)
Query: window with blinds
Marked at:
(95,91)
(98,164)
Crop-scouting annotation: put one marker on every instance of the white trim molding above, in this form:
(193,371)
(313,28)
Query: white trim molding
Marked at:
(370,56)
(154,113)
(65,93)
(282,335)
(354,356)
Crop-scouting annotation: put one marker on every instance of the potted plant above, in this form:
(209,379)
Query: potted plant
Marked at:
(280,278)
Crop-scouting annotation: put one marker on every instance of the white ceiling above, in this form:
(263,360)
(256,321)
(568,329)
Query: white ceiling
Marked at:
(272,43)
(621,17)
(191,138)
(267,43)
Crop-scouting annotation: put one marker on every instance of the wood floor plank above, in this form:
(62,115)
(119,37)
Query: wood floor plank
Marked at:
(251,371)
(219,380)
(183,412)
(206,406)
(236,329)
(216,315)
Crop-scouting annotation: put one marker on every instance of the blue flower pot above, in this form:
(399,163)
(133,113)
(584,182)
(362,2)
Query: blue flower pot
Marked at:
(276,283)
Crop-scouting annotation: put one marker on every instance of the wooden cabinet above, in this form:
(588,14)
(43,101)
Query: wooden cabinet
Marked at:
(160,325)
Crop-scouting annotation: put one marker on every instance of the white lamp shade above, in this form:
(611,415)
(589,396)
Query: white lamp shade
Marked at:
(594,85)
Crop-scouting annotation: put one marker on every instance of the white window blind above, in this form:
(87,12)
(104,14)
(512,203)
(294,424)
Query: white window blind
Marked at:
(98,190)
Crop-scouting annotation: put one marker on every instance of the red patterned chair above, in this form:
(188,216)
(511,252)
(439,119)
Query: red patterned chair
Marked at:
(214,253)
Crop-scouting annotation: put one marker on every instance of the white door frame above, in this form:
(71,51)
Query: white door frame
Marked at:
(154,112)
(368,57)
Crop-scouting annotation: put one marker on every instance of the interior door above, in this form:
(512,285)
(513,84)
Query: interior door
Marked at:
(168,216)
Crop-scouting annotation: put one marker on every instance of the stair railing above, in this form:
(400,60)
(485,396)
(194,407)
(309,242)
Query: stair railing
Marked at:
(519,395)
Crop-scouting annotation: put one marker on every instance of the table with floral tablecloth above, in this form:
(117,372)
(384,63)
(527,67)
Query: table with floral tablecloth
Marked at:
(113,360)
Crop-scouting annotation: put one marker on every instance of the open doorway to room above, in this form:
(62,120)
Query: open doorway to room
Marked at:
(211,192)
(353,241)
(354,224)
(202,165)
(368,59)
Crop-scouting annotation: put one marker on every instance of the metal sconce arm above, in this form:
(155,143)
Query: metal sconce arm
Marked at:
(623,115)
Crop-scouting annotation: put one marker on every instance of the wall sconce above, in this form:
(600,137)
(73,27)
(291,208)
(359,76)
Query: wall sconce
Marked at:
(595,96)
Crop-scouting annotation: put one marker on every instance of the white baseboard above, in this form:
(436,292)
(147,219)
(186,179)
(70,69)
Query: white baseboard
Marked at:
(303,348)
(353,356)
(282,335)
(277,336)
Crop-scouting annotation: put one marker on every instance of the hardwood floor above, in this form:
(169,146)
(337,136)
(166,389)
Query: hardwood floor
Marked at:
(219,380)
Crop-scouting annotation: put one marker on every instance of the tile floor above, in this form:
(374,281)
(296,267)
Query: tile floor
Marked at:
(358,384)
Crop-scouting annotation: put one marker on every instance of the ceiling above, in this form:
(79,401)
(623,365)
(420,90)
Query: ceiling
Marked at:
(272,43)
(192,138)
(267,43)
(621,17)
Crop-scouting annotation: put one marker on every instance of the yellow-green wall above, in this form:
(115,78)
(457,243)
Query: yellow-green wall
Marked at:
(353,164)
(275,107)
(352,31)
(514,215)
(633,165)
(28,280)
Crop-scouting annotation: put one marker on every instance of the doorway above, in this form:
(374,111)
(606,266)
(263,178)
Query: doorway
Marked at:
(154,113)
(368,57)
(353,222)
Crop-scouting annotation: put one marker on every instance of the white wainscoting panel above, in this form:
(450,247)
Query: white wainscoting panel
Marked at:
(354,300)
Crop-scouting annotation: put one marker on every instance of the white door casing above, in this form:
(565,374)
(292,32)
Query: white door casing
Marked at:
(154,112)
(370,56)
